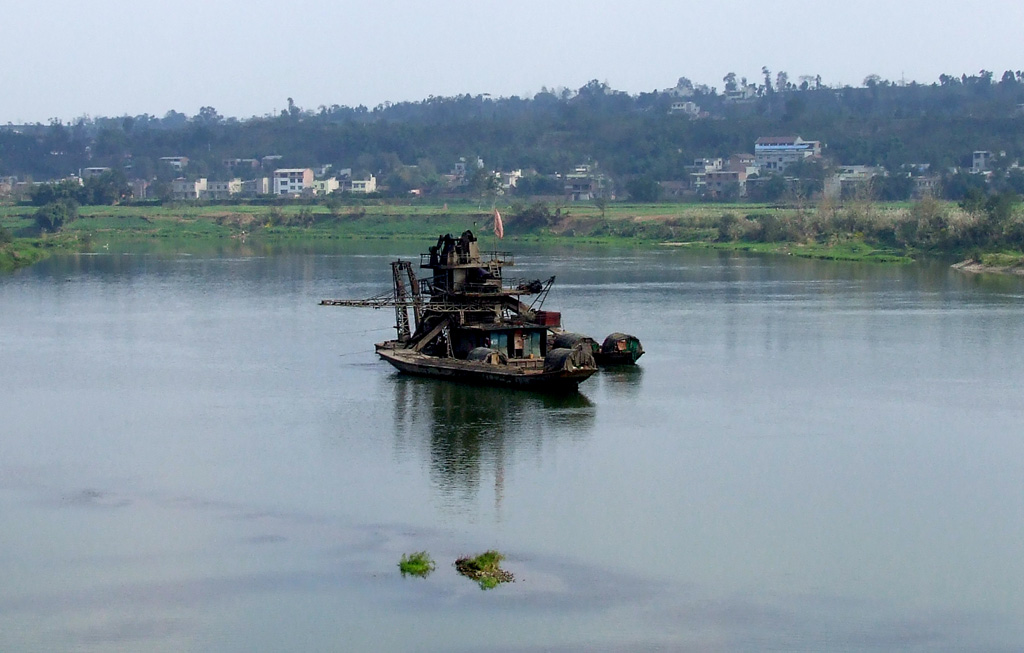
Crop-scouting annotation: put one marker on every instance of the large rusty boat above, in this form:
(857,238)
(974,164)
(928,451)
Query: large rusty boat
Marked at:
(469,323)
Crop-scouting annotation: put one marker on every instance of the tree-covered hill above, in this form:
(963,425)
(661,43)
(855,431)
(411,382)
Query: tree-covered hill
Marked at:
(881,123)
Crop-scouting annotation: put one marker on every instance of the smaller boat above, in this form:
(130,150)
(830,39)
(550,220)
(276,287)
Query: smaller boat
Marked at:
(619,349)
(569,340)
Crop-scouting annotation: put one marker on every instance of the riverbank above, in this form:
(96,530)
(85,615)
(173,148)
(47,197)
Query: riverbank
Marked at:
(874,232)
(998,263)
(20,253)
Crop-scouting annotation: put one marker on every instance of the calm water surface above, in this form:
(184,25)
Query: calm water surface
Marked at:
(194,456)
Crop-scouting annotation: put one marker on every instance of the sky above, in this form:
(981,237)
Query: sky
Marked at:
(67,58)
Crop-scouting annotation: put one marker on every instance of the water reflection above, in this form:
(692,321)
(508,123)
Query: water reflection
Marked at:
(471,433)
(622,381)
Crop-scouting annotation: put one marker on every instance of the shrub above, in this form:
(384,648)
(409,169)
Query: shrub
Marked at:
(51,217)
(484,569)
(417,564)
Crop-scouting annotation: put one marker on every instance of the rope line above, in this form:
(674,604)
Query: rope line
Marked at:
(356,333)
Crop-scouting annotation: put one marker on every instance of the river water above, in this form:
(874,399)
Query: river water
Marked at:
(195,456)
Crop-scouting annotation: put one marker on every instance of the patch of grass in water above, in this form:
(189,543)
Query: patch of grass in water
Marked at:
(485,569)
(418,564)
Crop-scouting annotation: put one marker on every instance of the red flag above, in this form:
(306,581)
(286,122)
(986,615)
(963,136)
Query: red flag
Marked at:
(499,229)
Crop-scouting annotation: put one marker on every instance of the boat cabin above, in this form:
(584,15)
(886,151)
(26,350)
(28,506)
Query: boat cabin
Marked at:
(518,342)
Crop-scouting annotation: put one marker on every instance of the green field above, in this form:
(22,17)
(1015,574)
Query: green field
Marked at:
(870,232)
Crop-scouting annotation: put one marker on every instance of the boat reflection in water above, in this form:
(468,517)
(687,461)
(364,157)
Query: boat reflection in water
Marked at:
(623,381)
(469,433)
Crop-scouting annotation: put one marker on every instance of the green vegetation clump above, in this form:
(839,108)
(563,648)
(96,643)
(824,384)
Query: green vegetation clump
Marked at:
(418,564)
(485,569)
(52,216)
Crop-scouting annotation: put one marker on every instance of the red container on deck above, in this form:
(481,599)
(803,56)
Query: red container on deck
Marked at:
(549,318)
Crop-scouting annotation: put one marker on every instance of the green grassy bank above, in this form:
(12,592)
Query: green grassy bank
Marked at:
(876,232)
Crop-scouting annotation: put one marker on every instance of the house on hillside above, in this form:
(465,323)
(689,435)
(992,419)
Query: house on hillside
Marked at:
(776,153)
(187,189)
(850,181)
(688,108)
(92,172)
(364,186)
(292,181)
(746,93)
(980,161)
(221,190)
(742,161)
(140,189)
(724,182)
(699,170)
(178,163)
(508,180)
(241,163)
(326,186)
(583,184)
(257,186)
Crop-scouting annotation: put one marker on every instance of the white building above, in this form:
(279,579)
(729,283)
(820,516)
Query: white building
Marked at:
(93,172)
(176,162)
(364,185)
(326,186)
(981,161)
(221,190)
(508,180)
(847,180)
(687,108)
(776,153)
(292,181)
(187,189)
(258,186)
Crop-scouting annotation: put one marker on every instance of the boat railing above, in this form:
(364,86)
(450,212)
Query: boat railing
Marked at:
(462,258)
(517,286)
(527,363)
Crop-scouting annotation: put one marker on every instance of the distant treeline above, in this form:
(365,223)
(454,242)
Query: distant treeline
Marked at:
(411,144)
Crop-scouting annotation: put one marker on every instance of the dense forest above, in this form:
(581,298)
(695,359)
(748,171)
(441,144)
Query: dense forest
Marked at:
(627,137)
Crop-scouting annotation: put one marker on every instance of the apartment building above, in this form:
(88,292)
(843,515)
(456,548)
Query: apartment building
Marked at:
(292,181)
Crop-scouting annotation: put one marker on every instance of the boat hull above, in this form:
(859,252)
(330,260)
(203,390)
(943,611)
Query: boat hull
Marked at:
(608,359)
(451,369)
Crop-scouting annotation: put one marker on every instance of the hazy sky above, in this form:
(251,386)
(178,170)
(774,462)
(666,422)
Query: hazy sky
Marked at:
(67,58)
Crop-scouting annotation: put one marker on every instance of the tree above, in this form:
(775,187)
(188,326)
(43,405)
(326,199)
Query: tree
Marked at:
(535,216)
(108,188)
(208,116)
(730,81)
(973,200)
(892,188)
(782,81)
(539,185)
(1000,208)
(68,189)
(1015,180)
(766,189)
(55,215)
(963,184)
(643,189)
